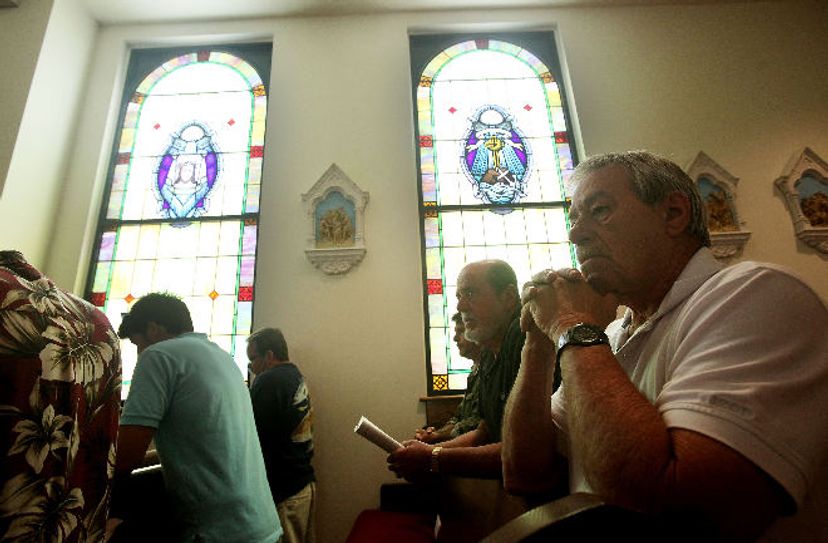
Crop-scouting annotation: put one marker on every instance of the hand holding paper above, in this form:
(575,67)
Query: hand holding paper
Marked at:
(372,433)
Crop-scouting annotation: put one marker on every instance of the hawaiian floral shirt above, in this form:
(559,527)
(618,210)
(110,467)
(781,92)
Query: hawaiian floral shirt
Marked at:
(60,377)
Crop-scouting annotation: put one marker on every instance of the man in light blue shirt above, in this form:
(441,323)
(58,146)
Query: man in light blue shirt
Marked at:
(189,394)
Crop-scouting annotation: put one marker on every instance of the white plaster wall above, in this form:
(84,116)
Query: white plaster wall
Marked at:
(743,82)
(38,165)
(21,36)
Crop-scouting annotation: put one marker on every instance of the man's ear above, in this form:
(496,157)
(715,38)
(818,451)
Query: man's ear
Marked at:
(511,295)
(676,208)
(155,332)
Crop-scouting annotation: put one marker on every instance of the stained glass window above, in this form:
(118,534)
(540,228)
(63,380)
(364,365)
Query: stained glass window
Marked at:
(493,136)
(182,207)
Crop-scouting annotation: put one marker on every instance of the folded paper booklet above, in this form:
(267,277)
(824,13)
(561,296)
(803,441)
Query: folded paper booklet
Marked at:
(372,433)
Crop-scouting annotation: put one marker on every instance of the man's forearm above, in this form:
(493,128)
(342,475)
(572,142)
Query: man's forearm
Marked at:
(133,442)
(630,457)
(481,462)
(475,438)
(531,462)
(619,436)
(471,455)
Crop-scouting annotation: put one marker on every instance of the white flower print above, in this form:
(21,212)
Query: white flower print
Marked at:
(41,512)
(72,355)
(13,293)
(38,438)
(110,462)
(22,335)
(42,294)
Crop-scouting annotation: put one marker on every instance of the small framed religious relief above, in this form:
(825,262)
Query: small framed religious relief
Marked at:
(718,191)
(804,184)
(335,208)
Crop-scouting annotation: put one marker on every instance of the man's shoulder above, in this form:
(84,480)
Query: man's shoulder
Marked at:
(758,293)
(283,373)
(278,376)
(765,277)
(180,348)
(749,267)
(185,341)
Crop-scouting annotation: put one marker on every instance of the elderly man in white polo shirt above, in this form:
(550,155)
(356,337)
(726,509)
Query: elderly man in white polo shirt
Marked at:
(706,401)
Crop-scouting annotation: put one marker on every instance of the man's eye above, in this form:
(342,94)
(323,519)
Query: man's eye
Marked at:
(600,211)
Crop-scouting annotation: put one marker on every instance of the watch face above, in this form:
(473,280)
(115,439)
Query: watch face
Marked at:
(585,333)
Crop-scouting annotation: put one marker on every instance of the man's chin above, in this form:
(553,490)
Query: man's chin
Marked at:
(476,336)
(598,282)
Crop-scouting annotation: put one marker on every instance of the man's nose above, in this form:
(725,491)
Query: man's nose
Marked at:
(577,232)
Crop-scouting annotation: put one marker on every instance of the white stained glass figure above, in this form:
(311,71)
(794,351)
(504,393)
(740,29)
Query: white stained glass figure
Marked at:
(183,203)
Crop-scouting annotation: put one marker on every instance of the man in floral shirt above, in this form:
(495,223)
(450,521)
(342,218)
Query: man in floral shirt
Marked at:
(60,377)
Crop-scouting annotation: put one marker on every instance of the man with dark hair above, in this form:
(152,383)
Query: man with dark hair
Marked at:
(488,301)
(189,394)
(284,420)
(703,402)
(162,309)
(467,418)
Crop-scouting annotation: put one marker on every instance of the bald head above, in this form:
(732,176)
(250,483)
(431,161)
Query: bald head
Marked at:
(487,299)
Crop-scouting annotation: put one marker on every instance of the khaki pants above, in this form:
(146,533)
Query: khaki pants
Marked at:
(298,516)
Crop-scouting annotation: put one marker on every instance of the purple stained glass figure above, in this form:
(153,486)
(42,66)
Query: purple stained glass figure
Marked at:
(187,172)
(495,157)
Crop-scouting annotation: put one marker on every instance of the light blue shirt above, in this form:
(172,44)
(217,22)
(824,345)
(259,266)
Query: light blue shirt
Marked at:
(193,394)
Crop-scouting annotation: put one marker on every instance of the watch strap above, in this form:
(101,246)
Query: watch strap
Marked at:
(582,335)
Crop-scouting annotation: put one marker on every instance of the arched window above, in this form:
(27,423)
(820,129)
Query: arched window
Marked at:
(182,206)
(494,136)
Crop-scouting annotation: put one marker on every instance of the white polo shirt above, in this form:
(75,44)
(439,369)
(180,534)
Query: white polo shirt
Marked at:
(741,355)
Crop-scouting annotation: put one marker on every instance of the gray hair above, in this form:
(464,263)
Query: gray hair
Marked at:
(653,178)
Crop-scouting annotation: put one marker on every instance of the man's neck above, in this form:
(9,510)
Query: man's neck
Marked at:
(647,302)
(494,347)
(496,342)
(275,363)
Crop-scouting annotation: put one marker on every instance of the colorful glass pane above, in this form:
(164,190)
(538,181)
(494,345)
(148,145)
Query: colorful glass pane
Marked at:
(495,154)
(188,160)
(440,382)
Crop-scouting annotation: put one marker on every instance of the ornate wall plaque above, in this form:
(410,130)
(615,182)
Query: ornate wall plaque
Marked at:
(335,208)
(804,184)
(718,190)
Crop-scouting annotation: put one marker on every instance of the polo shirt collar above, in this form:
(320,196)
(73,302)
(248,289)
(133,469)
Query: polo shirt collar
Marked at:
(701,267)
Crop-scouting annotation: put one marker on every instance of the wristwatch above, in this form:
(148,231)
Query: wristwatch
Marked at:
(581,334)
(435,459)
